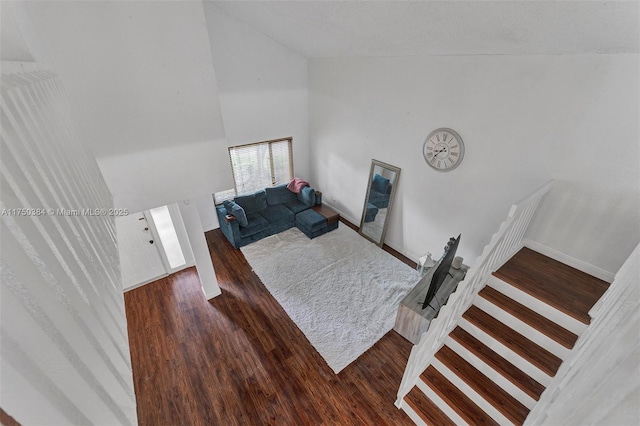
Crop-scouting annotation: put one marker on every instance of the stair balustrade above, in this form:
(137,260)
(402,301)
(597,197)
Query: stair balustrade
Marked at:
(504,243)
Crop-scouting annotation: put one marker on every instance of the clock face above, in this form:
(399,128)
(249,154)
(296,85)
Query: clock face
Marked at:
(443,150)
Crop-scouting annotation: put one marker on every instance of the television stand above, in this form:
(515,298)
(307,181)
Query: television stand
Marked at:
(411,319)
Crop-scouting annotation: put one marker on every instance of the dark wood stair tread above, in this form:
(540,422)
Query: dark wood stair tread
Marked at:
(509,371)
(561,286)
(545,326)
(538,356)
(455,398)
(510,407)
(426,409)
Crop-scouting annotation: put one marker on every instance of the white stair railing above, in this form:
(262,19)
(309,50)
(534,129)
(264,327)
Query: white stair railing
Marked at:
(504,244)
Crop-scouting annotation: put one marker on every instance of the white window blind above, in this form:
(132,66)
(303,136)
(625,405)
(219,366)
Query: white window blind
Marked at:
(258,165)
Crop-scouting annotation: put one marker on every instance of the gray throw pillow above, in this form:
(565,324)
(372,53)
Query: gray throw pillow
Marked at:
(236,211)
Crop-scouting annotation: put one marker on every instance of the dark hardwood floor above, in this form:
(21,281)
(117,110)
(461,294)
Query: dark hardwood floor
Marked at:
(565,288)
(240,360)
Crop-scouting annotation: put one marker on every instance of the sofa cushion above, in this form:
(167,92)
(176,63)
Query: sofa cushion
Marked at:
(379,183)
(252,203)
(236,211)
(256,224)
(278,214)
(279,195)
(310,220)
(307,195)
(296,206)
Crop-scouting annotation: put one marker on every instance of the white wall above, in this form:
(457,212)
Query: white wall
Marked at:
(141,77)
(524,120)
(65,351)
(586,226)
(262,86)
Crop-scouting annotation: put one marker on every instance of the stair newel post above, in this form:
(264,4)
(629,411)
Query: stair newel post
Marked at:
(503,244)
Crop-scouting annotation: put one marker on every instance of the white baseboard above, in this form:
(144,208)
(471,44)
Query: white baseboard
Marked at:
(134,286)
(159,277)
(210,227)
(580,265)
(341,213)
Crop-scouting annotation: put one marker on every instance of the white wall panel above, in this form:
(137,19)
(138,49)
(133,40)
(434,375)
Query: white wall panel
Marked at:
(64,338)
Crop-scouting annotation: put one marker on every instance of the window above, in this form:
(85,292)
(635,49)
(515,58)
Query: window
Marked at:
(258,165)
(168,236)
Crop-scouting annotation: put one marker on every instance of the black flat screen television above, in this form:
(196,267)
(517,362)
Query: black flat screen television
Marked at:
(441,272)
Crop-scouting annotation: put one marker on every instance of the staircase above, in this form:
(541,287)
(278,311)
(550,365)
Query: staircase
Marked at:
(507,346)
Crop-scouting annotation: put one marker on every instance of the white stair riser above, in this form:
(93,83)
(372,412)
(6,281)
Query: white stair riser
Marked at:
(492,374)
(471,393)
(443,406)
(538,306)
(506,353)
(411,413)
(523,328)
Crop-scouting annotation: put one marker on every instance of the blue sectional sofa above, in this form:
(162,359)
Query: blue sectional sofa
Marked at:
(269,211)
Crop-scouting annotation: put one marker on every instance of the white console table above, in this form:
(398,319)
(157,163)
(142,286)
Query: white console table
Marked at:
(411,319)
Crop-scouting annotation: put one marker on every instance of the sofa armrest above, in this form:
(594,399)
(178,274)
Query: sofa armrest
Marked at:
(307,196)
(229,227)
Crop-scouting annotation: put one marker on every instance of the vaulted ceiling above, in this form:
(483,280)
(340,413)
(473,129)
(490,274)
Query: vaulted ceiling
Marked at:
(318,29)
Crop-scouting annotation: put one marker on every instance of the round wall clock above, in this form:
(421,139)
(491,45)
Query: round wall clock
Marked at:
(443,150)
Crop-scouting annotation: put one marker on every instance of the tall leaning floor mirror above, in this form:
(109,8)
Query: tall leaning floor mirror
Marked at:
(381,189)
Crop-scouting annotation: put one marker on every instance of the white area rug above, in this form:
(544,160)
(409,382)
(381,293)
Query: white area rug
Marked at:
(341,290)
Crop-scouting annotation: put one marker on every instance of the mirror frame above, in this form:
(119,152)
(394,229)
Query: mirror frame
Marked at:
(392,196)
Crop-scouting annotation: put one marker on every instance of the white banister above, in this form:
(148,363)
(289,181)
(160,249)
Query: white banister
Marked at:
(504,243)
